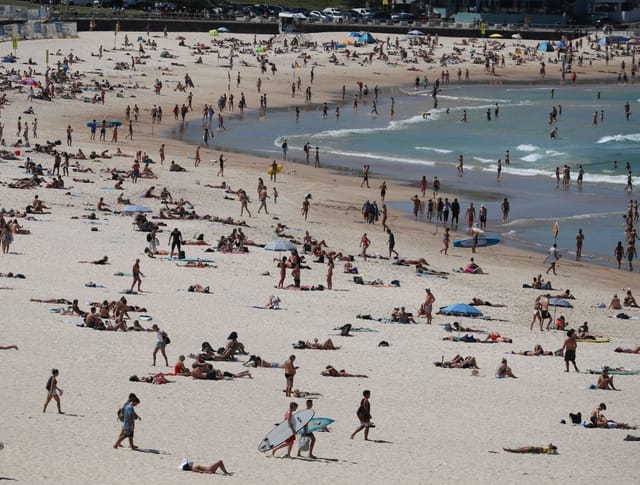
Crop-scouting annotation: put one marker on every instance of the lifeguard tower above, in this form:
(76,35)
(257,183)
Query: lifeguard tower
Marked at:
(289,24)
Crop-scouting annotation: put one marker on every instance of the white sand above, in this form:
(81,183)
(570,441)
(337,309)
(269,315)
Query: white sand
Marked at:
(433,425)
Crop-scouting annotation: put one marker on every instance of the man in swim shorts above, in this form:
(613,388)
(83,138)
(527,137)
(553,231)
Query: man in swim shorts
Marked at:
(569,350)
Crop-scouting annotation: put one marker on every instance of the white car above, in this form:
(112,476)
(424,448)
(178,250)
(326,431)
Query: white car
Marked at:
(334,13)
(316,15)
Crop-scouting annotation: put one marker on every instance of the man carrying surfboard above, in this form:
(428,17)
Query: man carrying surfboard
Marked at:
(552,259)
(306,434)
(288,416)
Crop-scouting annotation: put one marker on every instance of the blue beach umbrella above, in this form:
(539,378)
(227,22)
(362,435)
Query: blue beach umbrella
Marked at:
(560,302)
(460,310)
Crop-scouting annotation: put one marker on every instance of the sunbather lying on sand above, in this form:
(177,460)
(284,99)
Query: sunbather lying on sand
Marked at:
(459,362)
(326,345)
(537,350)
(550,449)
(478,302)
(257,361)
(628,351)
(331,371)
(103,260)
(152,379)
(197,288)
(207,372)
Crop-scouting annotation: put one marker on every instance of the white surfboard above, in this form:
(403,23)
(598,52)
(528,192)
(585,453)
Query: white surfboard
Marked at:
(551,258)
(282,432)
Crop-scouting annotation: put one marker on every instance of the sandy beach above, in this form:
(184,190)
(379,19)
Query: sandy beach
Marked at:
(433,424)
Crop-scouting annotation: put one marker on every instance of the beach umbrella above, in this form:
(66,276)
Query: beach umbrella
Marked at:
(545,47)
(460,310)
(415,32)
(213,33)
(516,36)
(180,37)
(280,245)
(633,41)
(562,45)
(131,209)
(560,302)
(496,36)
(354,34)
(223,30)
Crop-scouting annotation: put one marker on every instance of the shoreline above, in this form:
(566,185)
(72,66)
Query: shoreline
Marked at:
(482,192)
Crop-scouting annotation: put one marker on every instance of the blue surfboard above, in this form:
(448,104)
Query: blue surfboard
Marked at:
(483,242)
(316,424)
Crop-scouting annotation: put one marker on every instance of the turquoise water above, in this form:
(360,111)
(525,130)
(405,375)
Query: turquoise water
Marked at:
(408,146)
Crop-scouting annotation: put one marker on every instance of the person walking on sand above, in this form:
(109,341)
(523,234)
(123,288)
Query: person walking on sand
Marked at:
(129,417)
(305,207)
(136,276)
(288,417)
(317,161)
(161,344)
(446,239)
(197,156)
(221,161)
(365,175)
(364,244)
(289,373)
(553,256)
(569,349)
(392,244)
(306,434)
(364,415)
(53,391)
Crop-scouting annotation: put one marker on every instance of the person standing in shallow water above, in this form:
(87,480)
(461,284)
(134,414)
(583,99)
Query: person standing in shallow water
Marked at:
(579,240)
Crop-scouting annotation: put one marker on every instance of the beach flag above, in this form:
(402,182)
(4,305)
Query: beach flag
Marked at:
(14,41)
(555,231)
(46,57)
(483,28)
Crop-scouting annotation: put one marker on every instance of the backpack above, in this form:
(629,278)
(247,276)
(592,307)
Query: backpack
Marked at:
(120,414)
(167,340)
(49,382)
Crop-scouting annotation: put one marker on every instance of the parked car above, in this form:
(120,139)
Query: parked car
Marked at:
(403,16)
(316,15)
(379,16)
(364,12)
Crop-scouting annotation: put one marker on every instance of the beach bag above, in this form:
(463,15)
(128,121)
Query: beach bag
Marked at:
(166,338)
(362,413)
(303,443)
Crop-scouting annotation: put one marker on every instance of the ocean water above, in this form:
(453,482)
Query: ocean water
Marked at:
(408,146)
